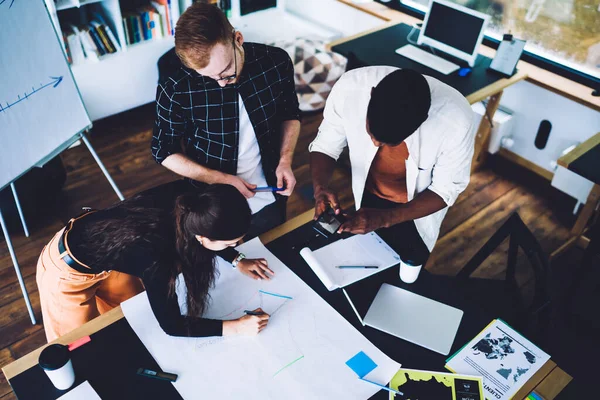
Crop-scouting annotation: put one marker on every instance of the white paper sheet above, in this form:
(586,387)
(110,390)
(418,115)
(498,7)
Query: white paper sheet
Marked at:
(504,358)
(367,249)
(84,391)
(300,355)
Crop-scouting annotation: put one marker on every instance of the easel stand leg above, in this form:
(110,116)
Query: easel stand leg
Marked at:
(104,171)
(18,204)
(13,256)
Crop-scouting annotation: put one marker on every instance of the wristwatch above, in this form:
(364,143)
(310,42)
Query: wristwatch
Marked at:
(236,260)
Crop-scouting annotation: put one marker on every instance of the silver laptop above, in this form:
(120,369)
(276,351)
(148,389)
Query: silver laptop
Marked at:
(414,318)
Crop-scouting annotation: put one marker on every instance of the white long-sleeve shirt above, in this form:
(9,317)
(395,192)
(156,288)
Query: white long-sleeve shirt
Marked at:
(440,151)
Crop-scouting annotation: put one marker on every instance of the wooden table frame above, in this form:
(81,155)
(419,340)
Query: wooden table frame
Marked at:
(547,382)
(493,92)
(588,212)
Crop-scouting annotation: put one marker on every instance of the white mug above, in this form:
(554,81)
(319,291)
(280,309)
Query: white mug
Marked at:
(408,272)
(55,360)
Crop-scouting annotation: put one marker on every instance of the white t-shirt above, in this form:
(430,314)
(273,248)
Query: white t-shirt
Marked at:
(249,162)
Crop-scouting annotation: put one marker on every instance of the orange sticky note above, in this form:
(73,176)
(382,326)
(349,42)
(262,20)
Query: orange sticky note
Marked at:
(79,342)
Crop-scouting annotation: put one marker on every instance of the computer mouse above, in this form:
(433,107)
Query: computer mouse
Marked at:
(464,71)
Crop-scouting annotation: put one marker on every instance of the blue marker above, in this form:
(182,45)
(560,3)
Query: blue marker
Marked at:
(383,387)
(268,189)
(248,312)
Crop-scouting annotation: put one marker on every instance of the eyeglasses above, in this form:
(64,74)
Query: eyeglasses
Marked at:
(231,77)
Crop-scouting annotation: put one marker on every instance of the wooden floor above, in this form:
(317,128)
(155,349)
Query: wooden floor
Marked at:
(123,143)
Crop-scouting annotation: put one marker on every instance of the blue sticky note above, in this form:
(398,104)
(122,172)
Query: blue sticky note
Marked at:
(361,364)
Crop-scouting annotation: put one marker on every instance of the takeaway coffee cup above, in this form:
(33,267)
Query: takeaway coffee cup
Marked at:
(56,362)
(409,272)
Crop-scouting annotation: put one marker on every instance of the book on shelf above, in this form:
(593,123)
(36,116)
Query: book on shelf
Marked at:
(67,50)
(158,24)
(79,45)
(174,13)
(73,47)
(184,4)
(128,40)
(91,51)
(108,32)
(133,26)
(105,41)
(138,31)
(96,40)
(504,358)
(162,8)
(147,25)
(157,19)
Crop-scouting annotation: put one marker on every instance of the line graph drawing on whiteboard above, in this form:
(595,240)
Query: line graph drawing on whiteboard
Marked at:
(11,2)
(56,80)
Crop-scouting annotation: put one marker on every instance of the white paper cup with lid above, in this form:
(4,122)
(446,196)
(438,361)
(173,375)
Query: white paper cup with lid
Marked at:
(55,360)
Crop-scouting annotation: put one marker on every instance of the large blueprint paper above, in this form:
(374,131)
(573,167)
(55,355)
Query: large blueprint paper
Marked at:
(300,355)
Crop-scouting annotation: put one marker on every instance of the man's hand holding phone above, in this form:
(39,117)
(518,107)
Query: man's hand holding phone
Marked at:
(324,199)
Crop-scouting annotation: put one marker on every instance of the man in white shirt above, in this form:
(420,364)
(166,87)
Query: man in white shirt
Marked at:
(411,141)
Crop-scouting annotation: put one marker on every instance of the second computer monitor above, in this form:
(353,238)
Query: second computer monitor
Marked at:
(453,29)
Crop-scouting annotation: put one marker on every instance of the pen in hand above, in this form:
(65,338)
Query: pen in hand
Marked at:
(357,266)
(268,189)
(248,312)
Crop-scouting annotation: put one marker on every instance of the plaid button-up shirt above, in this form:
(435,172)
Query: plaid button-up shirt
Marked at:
(195,111)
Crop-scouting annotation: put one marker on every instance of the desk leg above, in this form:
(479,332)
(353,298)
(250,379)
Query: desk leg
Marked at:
(482,138)
(577,238)
(13,256)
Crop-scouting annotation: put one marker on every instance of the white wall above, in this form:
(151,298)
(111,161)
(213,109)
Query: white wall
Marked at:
(572,122)
(326,20)
(335,15)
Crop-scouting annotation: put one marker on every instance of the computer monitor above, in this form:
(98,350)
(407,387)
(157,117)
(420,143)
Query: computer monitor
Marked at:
(453,29)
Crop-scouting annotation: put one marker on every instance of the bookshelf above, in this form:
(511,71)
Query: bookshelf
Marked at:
(116,81)
(127,78)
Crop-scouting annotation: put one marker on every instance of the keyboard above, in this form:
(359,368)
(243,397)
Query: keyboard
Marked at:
(423,57)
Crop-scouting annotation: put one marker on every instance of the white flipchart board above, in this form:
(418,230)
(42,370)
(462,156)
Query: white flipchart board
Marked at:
(41,110)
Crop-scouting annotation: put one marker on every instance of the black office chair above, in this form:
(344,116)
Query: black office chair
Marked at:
(168,63)
(592,251)
(583,294)
(504,298)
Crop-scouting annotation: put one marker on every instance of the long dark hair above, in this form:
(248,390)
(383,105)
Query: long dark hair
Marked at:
(132,221)
(219,213)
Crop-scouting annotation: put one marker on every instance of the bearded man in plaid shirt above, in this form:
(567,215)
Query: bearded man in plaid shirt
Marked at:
(229,114)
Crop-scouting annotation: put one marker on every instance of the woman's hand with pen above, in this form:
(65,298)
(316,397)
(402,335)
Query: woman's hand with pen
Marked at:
(248,325)
(257,268)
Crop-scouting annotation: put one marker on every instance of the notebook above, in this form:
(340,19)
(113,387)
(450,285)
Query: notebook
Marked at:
(368,250)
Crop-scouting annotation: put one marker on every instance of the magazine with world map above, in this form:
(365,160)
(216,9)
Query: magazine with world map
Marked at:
(417,384)
(504,358)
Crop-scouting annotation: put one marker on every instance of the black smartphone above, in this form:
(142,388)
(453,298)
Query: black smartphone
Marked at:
(328,223)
